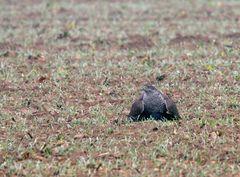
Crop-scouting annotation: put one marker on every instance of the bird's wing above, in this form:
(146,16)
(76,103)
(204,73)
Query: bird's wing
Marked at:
(170,105)
(137,108)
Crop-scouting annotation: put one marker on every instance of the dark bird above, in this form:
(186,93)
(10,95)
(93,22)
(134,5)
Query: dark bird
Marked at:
(153,104)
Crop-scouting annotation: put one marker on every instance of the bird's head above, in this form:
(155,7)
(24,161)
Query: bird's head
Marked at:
(148,88)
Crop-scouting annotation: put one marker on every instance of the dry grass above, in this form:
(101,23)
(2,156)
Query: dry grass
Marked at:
(69,70)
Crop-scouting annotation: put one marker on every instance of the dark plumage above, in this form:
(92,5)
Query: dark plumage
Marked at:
(153,103)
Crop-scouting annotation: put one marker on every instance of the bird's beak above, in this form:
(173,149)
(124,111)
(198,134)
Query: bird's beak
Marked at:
(144,88)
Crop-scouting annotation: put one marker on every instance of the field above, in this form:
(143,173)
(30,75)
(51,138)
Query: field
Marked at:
(70,70)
